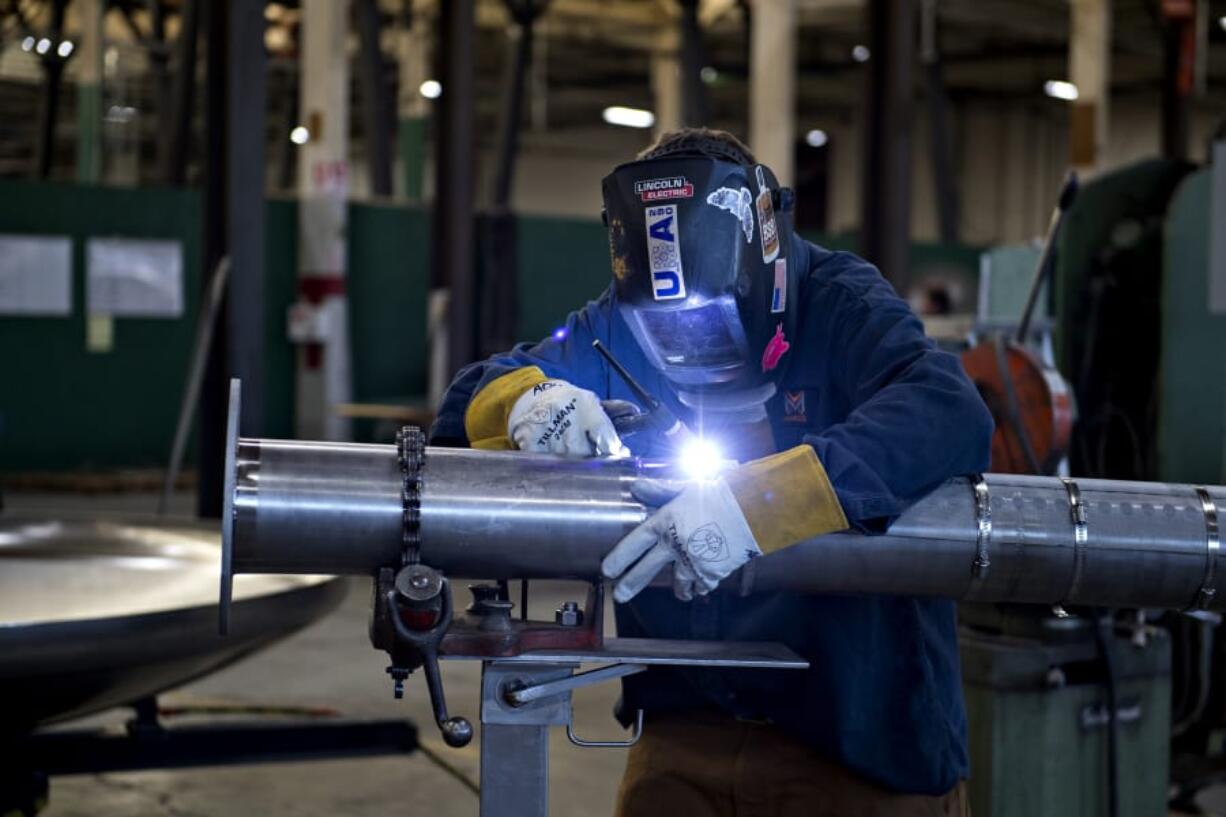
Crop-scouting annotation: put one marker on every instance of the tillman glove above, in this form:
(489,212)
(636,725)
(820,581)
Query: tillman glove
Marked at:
(526,410)
(712,527)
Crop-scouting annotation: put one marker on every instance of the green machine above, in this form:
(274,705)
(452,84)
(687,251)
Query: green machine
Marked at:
(1039,725)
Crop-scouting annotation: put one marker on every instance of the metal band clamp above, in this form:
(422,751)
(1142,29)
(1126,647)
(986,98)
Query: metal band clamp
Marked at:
(983,518)
(1081,535)
(1213,544)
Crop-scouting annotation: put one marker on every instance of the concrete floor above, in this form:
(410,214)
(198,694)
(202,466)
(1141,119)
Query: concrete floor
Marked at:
(331,664)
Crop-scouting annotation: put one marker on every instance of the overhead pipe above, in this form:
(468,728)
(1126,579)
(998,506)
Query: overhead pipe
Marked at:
(309,507)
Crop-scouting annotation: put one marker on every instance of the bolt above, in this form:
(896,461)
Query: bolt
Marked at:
(569,614)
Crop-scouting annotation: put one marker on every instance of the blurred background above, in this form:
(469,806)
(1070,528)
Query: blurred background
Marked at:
(341,203)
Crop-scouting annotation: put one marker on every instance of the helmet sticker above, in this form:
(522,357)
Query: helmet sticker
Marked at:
(775,349)
(766,220)
(779,295)
(737,202)
(673,187)
(664,253)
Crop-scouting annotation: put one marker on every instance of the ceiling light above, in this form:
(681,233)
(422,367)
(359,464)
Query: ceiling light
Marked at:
(431,89)
(44,45)
(65,49)
(629,117)
(709,74)
(1059,89)
(300,135)
(27,44)
(1221,21)
(816,138)
(860,53)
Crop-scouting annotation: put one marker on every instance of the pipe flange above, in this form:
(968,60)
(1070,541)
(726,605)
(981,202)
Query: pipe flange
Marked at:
(411,450)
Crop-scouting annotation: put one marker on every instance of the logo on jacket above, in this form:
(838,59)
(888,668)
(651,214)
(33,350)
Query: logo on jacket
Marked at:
(674,187)
(664,253)
(794,407)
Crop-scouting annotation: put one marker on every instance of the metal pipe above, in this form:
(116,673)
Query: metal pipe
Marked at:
(341,508)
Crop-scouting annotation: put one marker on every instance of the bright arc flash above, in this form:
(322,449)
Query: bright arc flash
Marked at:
(701,459)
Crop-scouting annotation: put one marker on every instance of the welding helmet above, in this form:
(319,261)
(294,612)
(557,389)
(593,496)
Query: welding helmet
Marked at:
(701,272)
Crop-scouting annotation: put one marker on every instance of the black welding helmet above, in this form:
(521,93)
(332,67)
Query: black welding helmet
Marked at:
(701,271)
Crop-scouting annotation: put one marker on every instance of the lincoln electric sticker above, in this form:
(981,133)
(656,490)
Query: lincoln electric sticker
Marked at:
(664,253)
(766,220)
(673,187)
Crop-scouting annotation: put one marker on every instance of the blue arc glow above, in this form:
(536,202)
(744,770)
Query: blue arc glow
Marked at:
(701,459)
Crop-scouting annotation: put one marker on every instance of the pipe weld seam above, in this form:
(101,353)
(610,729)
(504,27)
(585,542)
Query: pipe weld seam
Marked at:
(1213,545)
(1081,536)
(983,538)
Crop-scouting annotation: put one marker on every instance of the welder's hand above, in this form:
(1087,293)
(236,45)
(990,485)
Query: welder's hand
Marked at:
(555,417)
(701,533)
(712,527)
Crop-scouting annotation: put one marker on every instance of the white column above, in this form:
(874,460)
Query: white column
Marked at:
(772,85)
(318,322)
(413,51)
(666,79)
(1089,59)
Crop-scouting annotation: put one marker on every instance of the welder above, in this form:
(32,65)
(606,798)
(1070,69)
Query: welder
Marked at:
(807,369)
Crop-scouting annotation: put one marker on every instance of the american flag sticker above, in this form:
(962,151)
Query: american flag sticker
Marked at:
(779,295)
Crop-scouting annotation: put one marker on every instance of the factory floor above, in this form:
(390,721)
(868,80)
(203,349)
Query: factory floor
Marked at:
(331,664)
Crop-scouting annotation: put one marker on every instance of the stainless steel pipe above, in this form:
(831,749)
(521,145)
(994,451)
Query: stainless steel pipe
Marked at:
(300,507)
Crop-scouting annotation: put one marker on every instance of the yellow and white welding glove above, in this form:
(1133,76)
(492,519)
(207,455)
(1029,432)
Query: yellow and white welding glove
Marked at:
(526,410)
(714,526)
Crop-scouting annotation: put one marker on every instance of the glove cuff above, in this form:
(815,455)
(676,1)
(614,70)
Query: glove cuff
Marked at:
(786,498)
(485,421)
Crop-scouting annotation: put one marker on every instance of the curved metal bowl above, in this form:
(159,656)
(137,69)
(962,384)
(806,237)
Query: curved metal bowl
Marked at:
(98,613)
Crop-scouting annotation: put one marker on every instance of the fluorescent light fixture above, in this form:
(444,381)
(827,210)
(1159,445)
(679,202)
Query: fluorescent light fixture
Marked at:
(816,138)
(629,117)
(65,49)
(44,45)
(860,53)
(709,74)
(300,135)
(27,44)
(431,89)
(1059,89)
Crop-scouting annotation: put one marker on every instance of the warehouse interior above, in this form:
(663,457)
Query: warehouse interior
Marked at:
(226,225)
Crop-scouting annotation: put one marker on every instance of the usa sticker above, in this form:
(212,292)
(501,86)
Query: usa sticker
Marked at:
(766,220)
(664,253)
(674,187)
(779,295)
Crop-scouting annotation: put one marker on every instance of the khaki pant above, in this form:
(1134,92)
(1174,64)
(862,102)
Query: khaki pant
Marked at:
(695,765)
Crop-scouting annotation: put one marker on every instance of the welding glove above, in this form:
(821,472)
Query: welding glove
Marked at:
(712,527)
(526,410)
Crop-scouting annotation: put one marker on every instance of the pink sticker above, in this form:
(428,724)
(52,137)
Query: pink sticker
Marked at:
(775,349)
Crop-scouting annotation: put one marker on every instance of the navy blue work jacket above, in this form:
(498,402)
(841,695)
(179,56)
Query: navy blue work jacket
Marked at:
(891,417)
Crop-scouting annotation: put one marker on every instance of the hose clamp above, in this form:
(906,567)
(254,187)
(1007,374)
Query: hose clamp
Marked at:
(1081,535)
(411,452)
(1213,544)
(983,519)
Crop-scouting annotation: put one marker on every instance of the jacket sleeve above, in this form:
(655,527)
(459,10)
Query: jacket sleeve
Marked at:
(565,355)
(915,419)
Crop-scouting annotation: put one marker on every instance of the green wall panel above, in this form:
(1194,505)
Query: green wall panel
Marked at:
(389,274)
(563,264)
(61,406)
